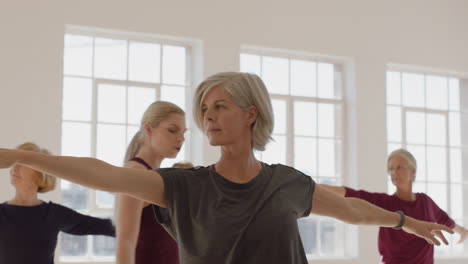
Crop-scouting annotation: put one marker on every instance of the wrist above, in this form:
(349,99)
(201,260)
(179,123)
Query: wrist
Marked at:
(402,220)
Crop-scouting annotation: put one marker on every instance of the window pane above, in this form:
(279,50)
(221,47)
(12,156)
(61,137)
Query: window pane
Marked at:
(275,74)
(131,131)
(413,90)
(305,155)
(326,87)
(111,103)
(436,164)
(438,193)
(250,63)
(275,151)
(78,55)
(138,101)
(437,94)
(327,158)
(455,129)
(73,246)
(392,146)
(76,139)
(394,123)
(174,94)
(456,207)
(110,59)
(415,127)
(326,120)
(144,62)
(303,78)
(279,111)
(436,129)
(393,88)
(308,229)
(174,63)
(104,200)
(305,119)
(77,96)
(104,246)
(419,187)
(455,165)
(110,145)
(454,94)
(73,195)
(419,153)
(328,236)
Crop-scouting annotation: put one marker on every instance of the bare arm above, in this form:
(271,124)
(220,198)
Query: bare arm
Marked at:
(142,184)
(462,232)
(128,218)
(341,191)
(360,212)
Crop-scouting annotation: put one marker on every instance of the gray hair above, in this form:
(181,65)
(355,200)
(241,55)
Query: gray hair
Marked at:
(406,155)
(246,90)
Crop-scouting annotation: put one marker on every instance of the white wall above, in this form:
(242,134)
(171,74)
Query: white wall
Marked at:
(370,32)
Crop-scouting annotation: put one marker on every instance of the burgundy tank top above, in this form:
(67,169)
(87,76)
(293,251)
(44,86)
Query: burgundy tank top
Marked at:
(155,245)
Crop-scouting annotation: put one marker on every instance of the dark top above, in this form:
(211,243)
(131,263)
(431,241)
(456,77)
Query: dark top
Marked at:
(215,220)
(28,234)
(397,246)
(154,245)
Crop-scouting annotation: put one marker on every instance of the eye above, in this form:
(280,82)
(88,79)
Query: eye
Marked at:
(219,106)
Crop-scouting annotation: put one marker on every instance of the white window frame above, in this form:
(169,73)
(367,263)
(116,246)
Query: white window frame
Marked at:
(193,76)
(424,71)
(344,68)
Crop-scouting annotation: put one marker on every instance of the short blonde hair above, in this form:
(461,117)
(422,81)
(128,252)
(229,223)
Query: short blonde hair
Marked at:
(46,182)
(154,114)
(406,155)
(246,90)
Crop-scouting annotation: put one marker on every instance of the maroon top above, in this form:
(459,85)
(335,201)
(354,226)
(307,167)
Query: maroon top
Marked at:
(154,245)
(397,246)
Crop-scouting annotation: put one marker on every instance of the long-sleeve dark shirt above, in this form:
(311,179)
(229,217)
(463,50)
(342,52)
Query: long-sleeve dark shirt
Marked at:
(28,234)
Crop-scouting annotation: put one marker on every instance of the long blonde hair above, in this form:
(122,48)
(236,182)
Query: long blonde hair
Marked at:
(46,182)
(154,114)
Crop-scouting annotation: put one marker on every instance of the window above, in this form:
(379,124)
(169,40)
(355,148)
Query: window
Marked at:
(109,81)
(427,114)
(308,105)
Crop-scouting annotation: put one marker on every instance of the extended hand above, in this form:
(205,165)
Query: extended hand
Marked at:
(8,157)
(426,230)
(463,236)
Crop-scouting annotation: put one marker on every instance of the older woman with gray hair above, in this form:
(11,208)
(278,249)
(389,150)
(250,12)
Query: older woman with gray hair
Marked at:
(396,246)
(238,210)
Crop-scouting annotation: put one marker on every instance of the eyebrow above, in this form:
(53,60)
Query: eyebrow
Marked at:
(217,101)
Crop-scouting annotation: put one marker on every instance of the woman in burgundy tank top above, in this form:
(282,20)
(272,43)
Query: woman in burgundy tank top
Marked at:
(140,238)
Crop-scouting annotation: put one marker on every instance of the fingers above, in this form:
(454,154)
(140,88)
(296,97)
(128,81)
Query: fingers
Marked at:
(441,236)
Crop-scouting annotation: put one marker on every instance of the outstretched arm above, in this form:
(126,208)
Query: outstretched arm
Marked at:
(360,212)
(341,191)
(93,173)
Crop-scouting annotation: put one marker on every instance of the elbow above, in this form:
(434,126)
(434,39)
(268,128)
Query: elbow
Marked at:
(354,214)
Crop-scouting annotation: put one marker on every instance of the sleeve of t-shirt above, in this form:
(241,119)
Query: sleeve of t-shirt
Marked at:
(177,189)
(74,223)
(442,217)
(300,190)
(377,199)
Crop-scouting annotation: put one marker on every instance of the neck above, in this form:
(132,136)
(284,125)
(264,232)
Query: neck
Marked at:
(25,198)
(405,195)
(148,155)
(238,164)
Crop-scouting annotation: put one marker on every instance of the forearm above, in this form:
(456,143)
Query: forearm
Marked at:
(364,213)
(88,172)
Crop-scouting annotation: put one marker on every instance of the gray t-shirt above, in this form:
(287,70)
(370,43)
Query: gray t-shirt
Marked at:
(216,221)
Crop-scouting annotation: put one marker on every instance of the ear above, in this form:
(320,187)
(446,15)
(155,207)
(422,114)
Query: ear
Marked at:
(148,130)
(252,114)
